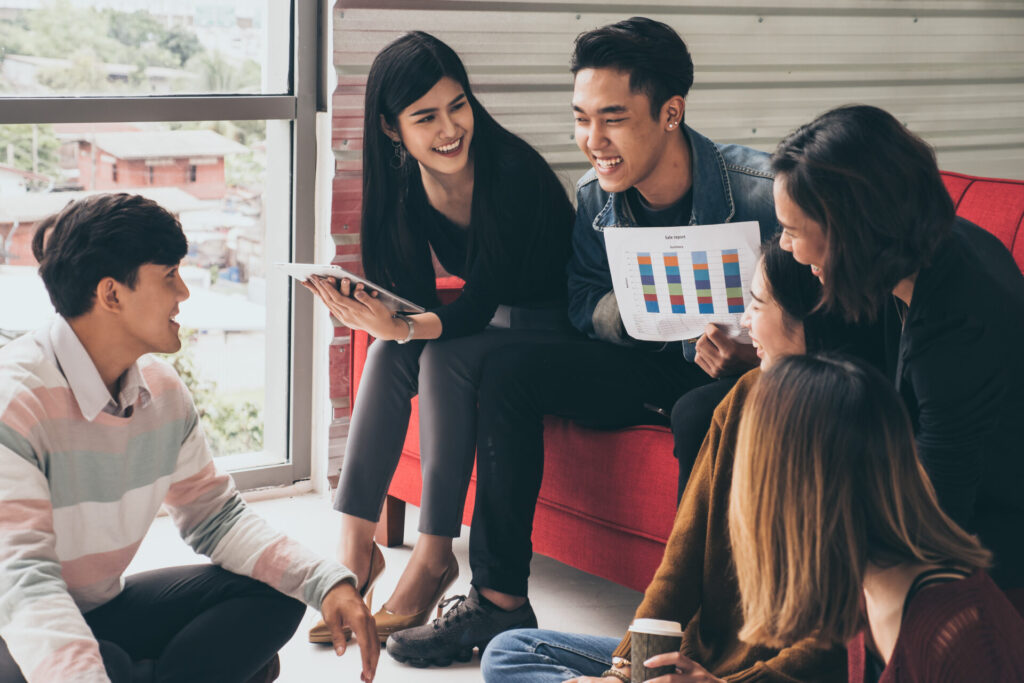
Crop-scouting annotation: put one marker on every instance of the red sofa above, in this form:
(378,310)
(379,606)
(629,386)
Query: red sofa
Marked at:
(621,505)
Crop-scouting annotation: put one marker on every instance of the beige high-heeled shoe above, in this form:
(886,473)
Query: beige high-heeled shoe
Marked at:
(320,633)
(388,622)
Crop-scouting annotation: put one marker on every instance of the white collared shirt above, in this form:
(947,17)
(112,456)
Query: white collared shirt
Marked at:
(84,379)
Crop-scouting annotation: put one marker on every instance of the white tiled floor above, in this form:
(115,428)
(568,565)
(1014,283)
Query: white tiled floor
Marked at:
(564,598)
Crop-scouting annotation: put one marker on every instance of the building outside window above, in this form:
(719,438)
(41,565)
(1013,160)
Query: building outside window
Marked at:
(195,105)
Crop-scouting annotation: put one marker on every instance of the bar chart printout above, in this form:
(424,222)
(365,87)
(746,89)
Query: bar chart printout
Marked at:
(733,281)
(670,283)
(643,260)
(675,283)
(702,282)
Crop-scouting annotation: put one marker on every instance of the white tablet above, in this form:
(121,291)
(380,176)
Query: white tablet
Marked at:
(302,272)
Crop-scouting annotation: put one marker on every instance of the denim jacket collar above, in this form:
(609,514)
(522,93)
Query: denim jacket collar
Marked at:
(711,191)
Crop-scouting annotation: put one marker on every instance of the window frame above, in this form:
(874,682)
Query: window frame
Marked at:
(299,106)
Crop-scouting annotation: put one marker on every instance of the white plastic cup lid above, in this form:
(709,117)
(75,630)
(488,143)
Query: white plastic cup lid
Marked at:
(657,627)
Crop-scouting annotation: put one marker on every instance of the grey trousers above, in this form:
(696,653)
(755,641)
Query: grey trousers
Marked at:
(445,374)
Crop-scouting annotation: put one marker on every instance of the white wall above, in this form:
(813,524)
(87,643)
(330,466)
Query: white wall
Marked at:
(952,70)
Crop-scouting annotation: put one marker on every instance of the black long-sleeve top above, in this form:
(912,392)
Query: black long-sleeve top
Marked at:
(958,362)
(523,261)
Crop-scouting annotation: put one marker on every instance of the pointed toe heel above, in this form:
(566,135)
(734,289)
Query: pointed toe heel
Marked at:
(388,622)
(320,633)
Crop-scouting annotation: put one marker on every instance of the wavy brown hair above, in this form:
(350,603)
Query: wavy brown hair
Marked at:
(827,480)
(876,191)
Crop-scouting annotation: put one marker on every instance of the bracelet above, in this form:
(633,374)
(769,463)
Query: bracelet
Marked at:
(616,673)
(412,329)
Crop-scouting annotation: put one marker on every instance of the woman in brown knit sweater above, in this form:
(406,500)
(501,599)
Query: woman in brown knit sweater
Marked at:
(837,532)
(696,584)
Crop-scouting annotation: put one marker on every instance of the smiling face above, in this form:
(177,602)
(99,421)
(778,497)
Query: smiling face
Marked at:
(614,128)
(437,129)
(147,311)
(774,335)
(801,236)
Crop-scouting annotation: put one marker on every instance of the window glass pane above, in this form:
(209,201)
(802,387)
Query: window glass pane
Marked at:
(214,177)
(142,47)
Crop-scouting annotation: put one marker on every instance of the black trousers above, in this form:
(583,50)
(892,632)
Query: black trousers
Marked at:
(691,418)
(186,624)
(593,383)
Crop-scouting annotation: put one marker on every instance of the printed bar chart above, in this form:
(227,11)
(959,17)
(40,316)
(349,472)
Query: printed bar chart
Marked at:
(643,260)
(733,281)
(675,283)
(702,281)
(671,283)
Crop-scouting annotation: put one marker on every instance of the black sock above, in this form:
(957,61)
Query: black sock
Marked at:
(490,605)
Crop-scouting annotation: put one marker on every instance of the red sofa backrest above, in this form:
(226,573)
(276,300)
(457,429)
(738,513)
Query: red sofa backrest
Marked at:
(992,203)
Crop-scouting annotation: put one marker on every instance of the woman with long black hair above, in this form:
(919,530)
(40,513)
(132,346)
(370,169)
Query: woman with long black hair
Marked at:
(440,178)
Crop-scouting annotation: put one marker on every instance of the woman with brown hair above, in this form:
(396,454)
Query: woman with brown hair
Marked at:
(860,199)
(695,584)
(836,531)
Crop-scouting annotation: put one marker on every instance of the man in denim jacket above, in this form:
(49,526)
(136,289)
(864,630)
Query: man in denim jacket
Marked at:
(649,169)
(727,183)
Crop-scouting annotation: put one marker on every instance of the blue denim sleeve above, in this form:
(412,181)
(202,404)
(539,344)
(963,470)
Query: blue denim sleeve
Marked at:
(589,276)
(754,202)
(764,206)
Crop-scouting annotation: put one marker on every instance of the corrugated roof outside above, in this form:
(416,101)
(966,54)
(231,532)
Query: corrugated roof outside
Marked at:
(172,143)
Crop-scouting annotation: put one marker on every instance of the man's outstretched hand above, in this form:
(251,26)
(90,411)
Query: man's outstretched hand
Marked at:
(343,606)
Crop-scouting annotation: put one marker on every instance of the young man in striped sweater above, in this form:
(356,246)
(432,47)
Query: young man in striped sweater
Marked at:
(94,437)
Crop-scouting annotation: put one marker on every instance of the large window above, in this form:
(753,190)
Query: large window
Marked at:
(200,106)
(141,47)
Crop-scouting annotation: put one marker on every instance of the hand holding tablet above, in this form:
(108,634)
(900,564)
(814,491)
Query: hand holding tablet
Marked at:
(303,271)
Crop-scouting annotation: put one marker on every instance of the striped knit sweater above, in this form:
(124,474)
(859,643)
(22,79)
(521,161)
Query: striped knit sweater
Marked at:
(77,497)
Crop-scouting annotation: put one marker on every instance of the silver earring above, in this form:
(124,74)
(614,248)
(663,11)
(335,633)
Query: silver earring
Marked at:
(398,159)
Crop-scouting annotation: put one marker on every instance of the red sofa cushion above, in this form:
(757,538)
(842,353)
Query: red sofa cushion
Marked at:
(612,517)
(992,203)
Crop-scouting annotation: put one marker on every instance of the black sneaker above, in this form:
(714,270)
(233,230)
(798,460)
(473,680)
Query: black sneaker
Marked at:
(469,624)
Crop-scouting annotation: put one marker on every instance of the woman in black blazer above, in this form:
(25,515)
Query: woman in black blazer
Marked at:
(861,201)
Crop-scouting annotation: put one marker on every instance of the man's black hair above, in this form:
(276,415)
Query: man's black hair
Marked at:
(108,235)
(652,53)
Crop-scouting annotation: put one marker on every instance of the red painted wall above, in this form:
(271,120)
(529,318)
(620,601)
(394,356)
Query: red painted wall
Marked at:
(20,248)
(347,135)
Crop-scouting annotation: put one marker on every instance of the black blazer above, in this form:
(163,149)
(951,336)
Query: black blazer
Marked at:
(958,363)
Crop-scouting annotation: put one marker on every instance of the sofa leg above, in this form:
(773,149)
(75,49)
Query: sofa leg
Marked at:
(391,527)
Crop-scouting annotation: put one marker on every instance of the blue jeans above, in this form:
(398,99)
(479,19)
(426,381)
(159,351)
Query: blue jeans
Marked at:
(532,655)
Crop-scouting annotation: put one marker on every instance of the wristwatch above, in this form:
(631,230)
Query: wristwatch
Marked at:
(412,329)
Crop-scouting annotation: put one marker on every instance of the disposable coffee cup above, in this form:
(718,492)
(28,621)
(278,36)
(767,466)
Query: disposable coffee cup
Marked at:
(651,637)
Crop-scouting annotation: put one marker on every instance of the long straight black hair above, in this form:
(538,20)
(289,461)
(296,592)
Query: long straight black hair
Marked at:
(395,252)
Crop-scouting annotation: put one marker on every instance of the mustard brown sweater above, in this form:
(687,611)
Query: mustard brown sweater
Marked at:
(696,583)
